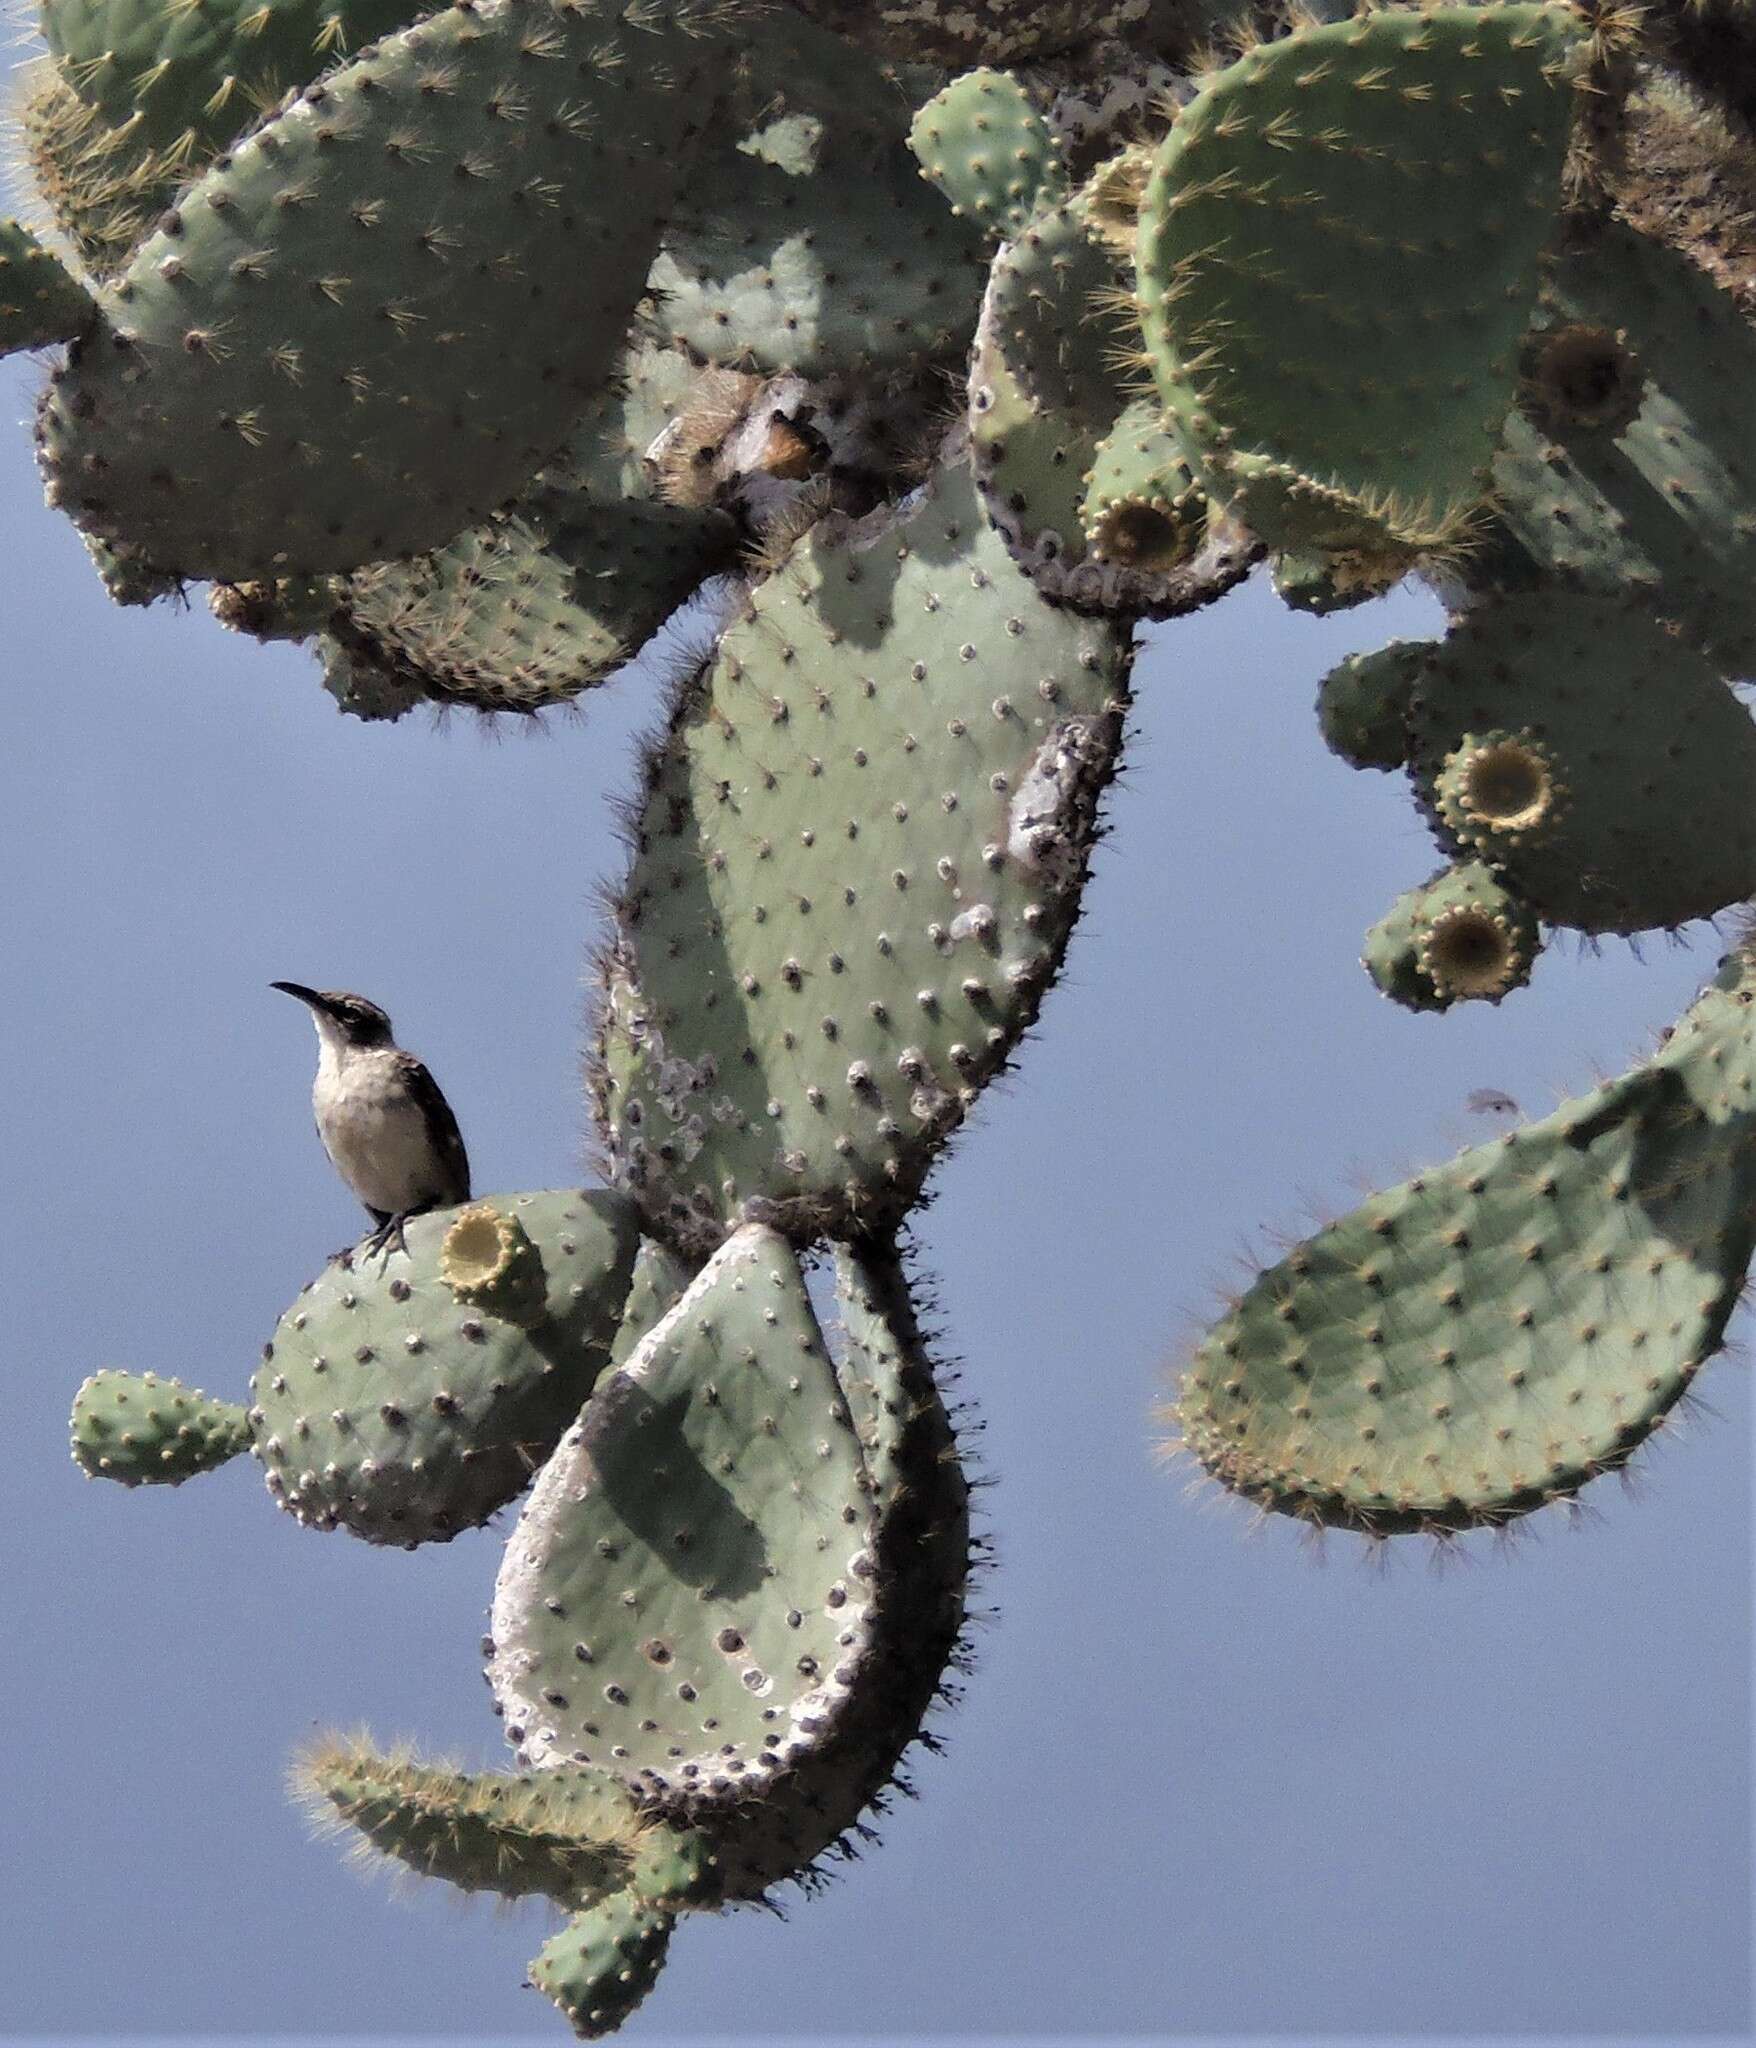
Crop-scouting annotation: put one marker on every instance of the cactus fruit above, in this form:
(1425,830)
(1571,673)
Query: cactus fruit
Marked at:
(985,145)
(142,1430)
(858,858)
(370,193)
(1461,935)
(1143,508)
(1315,328)
(1560,737)
(41,302)
(1493,1334)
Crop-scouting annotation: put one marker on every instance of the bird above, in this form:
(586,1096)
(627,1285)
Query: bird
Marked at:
(386,1126)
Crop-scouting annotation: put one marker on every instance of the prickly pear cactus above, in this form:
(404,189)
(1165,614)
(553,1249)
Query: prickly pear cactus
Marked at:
(469,345)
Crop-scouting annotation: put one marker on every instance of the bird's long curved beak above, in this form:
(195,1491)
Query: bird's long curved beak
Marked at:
(308,996)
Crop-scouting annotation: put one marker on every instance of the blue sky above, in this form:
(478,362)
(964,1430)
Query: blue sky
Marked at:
(1204,1782)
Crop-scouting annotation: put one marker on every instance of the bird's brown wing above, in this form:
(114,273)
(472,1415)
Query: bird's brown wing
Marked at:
(447,1138)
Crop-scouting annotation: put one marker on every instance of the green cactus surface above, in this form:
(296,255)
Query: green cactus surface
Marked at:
(984,143)
(567,1834)
(390,1405)
(1493,1334)
(41,301)
(186,80)
(144,1430)
(1363,704)
(858,858)
(324,259)
(684,1600)
(1660,503)
(602,1964)
(805,239)
(1592,757)
(1339,250)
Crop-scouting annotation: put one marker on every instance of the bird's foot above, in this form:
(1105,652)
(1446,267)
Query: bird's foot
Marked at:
(387,1238)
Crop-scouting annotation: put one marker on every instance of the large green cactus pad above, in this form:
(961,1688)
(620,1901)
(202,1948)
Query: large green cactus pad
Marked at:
(1339,250)
(685,1598)
(858,858)
(388,1406)
(368,327)
(1490,1336)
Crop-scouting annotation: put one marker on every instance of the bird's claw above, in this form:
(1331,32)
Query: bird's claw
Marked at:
(387,1238)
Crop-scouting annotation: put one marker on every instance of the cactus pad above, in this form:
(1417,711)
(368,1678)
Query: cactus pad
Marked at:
(1339,251)
(142,1430)
(41,302)
(602,1964)
(1363,704)
(1491,1335)
(684,1601)
(1592,757)
(858,859)
(387,1406)
(985,145)
(293,376)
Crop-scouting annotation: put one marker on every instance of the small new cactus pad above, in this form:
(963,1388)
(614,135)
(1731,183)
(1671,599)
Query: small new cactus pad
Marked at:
(601,1965)
(186,79)
(1339,251)
(1051,300)
(1462,935)
(993,155)
(1491,1335)
(566,1834)
(389,1406)
(1363,704)
(1659,503)
(144,1430)
(369,326)
(41,301)
(959,33)
(858,858)
(1594,758)
(685,1599)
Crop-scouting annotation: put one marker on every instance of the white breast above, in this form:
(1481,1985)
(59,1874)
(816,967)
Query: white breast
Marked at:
(374,1133)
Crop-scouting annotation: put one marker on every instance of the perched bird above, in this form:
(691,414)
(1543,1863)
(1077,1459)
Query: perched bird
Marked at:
(388,1131)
